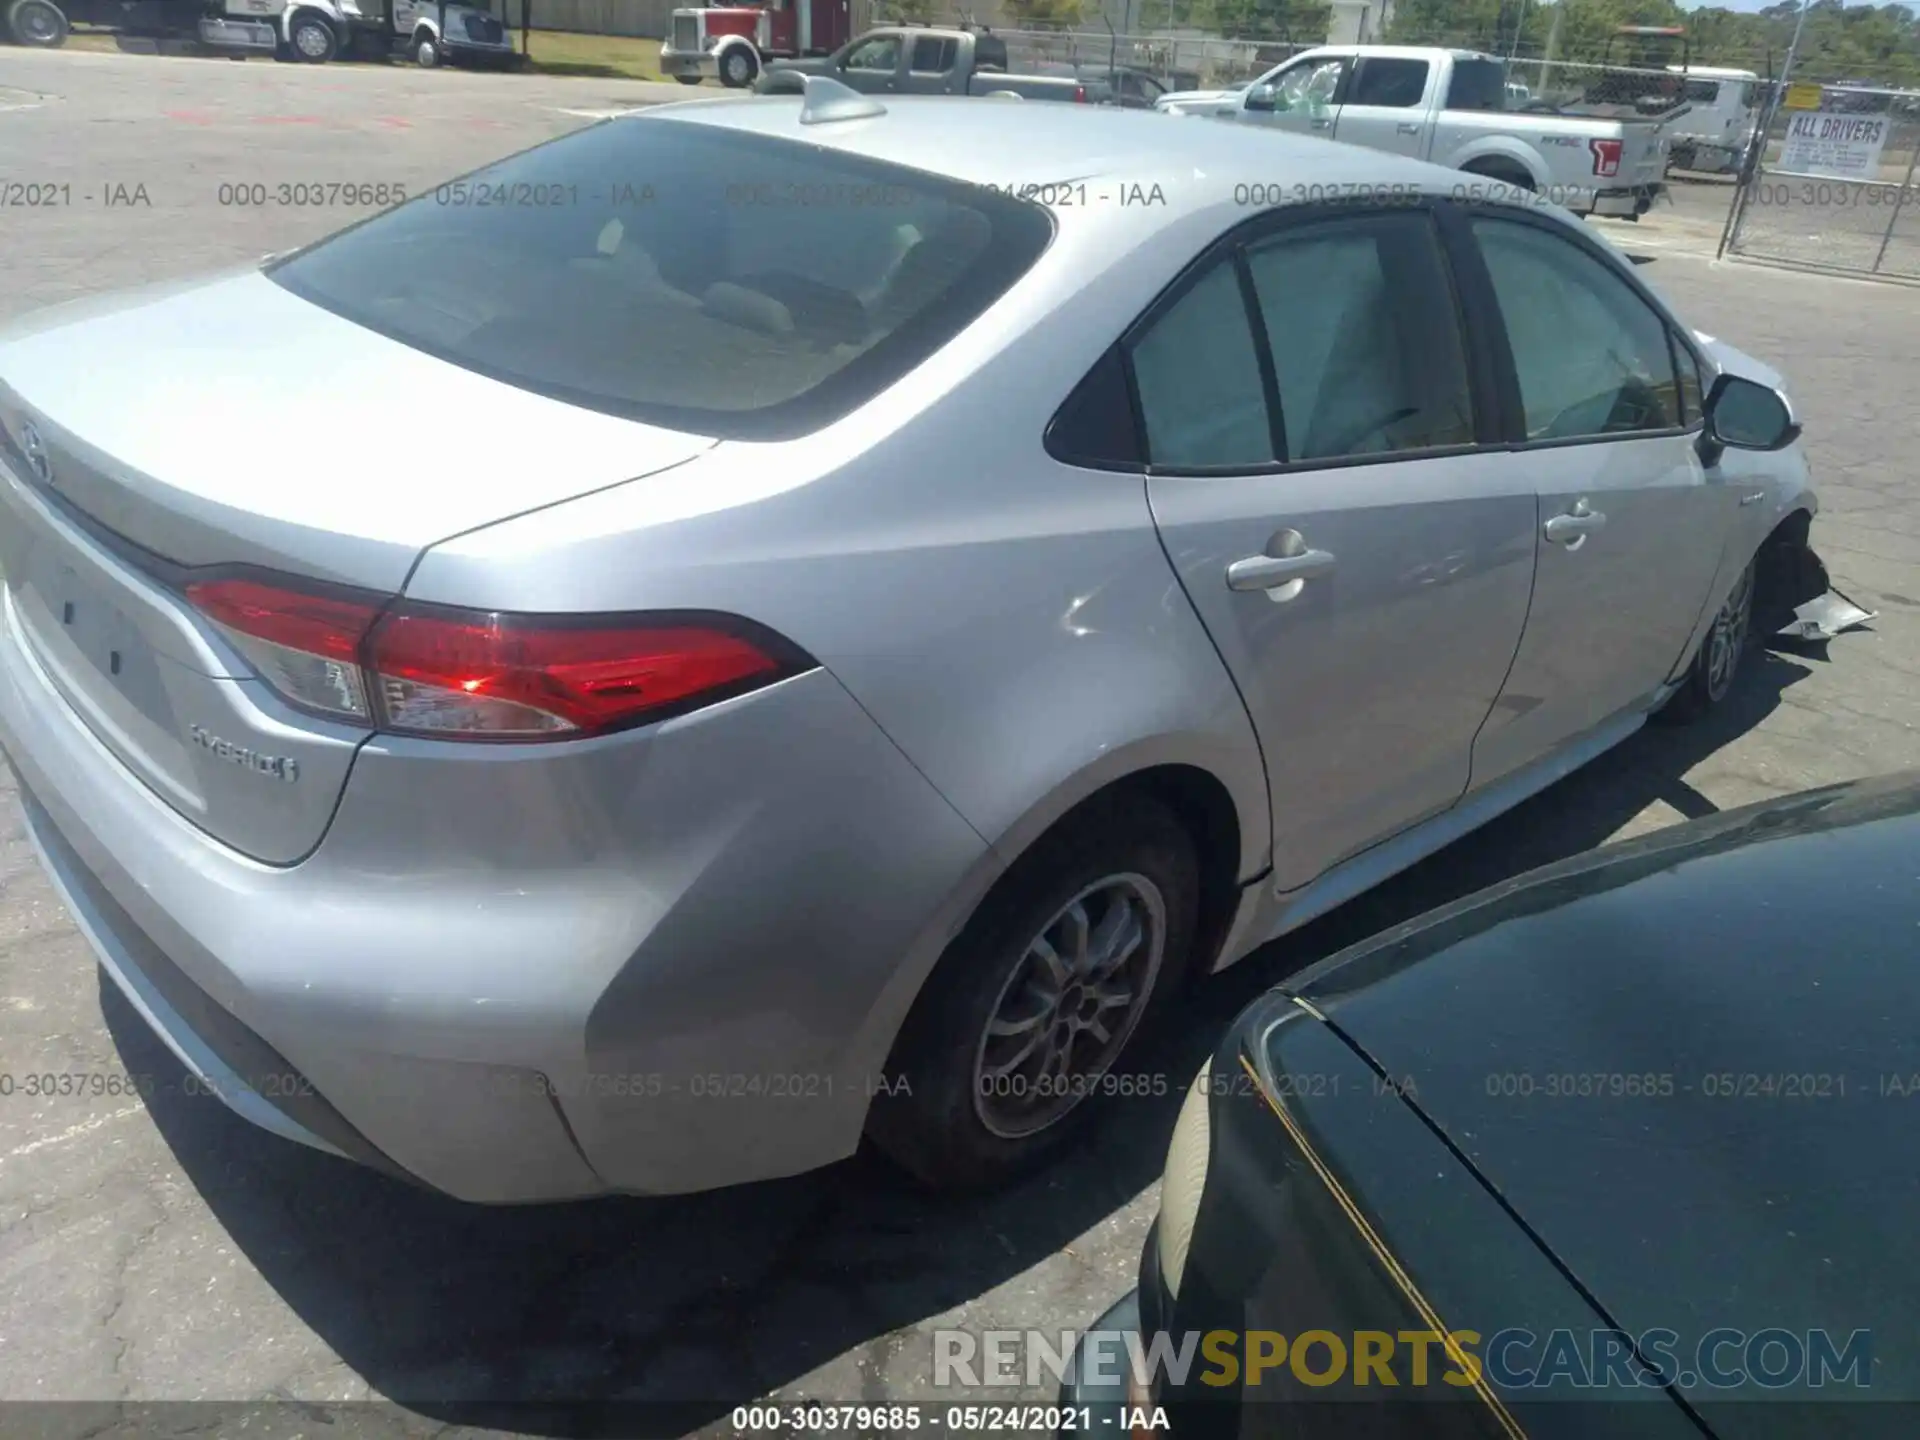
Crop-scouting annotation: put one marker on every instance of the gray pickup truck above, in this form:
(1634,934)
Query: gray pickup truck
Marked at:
(922,60)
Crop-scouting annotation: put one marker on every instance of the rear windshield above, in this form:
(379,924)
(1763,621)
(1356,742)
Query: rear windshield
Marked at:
(735,285)
(1478,85)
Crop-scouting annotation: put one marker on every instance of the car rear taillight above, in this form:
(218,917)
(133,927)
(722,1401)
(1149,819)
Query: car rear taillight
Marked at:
(485,675)
(1606,156)
(305,646)
(1079,94)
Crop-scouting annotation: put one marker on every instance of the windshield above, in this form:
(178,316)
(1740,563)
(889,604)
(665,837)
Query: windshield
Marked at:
(698,278)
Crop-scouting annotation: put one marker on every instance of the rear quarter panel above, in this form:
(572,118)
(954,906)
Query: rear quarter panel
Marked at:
(1011,622)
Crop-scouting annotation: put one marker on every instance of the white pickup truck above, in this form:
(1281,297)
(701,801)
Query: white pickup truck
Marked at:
(1453,107)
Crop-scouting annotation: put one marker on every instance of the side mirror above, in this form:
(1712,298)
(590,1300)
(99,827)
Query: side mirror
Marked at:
(1261,97)
(1743,414)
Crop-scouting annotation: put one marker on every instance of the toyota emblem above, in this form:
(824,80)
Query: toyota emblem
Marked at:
(35,449)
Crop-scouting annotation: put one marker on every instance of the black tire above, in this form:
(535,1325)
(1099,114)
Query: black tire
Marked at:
(312,40)
(37,24)
(928,1118)
(688,79)
(1716,664)
(739,68)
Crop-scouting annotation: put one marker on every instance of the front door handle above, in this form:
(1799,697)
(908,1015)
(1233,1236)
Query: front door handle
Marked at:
(1754,499)
(1281,575)
(1572,528)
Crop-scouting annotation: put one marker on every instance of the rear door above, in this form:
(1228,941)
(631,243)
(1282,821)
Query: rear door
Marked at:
(1362,562)
(931,61)
(1632,525)
(1387,104)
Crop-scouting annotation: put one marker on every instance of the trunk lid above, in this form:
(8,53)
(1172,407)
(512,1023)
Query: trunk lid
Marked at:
(232,423)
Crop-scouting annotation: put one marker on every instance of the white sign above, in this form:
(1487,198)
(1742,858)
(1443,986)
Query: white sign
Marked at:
(1846,147)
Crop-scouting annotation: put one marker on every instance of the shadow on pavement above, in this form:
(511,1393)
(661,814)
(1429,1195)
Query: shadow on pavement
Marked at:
(710,1301)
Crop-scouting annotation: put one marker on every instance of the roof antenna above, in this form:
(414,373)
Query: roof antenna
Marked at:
(828,100)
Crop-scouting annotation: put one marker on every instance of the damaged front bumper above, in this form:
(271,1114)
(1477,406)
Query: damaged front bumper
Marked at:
(1793,593)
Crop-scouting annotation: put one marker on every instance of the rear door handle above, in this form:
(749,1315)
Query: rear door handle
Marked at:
(1408,128)
(1754,499)
(1270,572)
(1572,529)
(1322,124)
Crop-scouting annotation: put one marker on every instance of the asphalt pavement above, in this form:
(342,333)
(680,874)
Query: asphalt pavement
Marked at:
(153,1247)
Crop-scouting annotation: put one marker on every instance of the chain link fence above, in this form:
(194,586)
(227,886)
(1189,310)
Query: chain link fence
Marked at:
(1831,185)
(1178,61)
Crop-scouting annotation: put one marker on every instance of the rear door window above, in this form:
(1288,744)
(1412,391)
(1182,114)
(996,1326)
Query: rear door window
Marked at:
(703,279)
(932,55)
(1477,85)
(1391,84)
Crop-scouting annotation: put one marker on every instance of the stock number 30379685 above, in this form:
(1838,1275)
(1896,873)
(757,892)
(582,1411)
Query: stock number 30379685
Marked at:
(813,1419)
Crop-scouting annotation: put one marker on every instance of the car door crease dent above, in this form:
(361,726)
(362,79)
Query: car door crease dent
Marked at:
(1551,1256)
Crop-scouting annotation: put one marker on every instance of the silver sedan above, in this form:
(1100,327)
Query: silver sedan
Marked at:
(835,613)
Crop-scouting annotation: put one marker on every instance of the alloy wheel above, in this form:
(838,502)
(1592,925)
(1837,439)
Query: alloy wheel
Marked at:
(1728,638)
(1067,1010)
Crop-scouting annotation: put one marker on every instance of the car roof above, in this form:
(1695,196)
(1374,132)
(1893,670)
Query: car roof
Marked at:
(1009,144)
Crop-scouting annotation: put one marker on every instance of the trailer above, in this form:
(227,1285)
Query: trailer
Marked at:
(428,32)
(309,30)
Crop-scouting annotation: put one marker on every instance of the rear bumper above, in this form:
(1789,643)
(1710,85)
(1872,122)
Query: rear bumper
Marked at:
(1626,200)
(1706,158)
(666,961)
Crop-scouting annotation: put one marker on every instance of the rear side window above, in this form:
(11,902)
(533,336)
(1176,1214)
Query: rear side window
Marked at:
(1477,85)
(933,56)
(727,284)
(1703,92)
(1395,84)
(1203,404)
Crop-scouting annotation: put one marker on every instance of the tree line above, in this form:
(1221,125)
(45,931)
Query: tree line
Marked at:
(1875,43)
